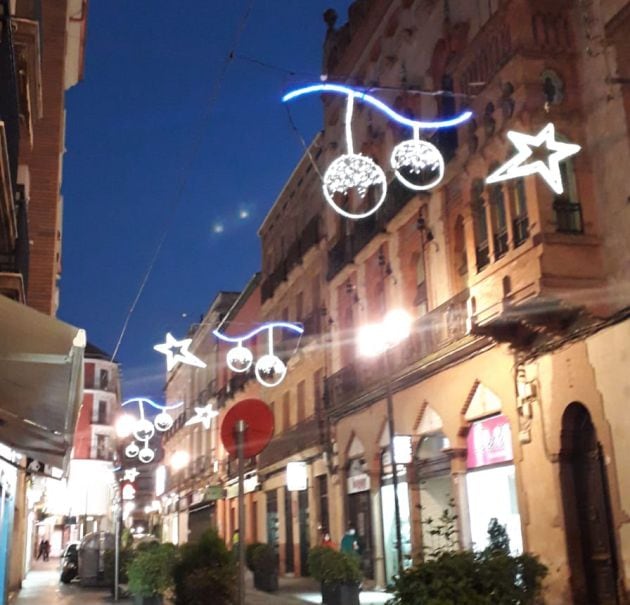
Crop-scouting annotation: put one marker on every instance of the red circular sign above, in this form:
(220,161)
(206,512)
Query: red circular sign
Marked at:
(258,419)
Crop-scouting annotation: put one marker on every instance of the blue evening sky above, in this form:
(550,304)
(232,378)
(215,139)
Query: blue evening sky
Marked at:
(132,126)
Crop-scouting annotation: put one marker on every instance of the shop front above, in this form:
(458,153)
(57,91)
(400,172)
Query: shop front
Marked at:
(8,483)
(388,508)
(360,512)
(491,481)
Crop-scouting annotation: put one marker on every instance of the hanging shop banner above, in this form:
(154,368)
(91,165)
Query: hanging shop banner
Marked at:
(489,442)
(214,492)
(250,483)
(358,483)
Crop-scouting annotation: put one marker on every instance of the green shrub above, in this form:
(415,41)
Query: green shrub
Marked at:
(264,559)
(205,572)
(126,555)
(329,566)
(250,549)
(490,577)
(150,571)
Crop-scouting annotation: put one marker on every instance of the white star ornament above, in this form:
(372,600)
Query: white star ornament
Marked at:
(203,415)
(518,166)
(176,351)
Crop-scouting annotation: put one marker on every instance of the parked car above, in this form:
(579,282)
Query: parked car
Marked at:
(70,562)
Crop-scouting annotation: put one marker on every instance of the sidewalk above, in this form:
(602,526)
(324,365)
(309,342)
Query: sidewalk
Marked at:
(42,587)
(303,590)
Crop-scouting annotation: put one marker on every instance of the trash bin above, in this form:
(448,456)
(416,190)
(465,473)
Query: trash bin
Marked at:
(92,558)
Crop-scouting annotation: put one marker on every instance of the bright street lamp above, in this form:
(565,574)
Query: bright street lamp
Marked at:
(179,460)
(125,425)
(374,340)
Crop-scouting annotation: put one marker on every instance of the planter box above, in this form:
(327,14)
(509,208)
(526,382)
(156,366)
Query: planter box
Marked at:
(266,581)
(154,600)
(340,594)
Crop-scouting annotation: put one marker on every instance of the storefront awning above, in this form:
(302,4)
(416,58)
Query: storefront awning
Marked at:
(41,382)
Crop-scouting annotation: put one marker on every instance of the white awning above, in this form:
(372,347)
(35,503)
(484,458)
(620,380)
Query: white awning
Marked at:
(41,382)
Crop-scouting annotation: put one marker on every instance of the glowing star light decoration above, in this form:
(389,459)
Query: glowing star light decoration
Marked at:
(270,370)
(131,474)
(176,351)
(143,428)
(525,163)
(417,164)
(203,415)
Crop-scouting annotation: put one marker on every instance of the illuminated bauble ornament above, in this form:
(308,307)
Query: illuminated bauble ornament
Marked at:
(270,370)
(418,164)
(163,421)
(239,359)
(131,451)
(144,430)
(146,455)
(354,171)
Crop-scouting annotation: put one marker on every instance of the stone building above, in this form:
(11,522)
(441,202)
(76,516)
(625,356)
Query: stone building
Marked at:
(509,391)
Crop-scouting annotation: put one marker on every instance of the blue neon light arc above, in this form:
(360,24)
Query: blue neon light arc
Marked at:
(270,326)
(157,406)
(362,95)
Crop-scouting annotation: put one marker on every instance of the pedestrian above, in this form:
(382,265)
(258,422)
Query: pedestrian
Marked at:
(46,550)
(235,541)
(40,550)
(349,542)
(327,540)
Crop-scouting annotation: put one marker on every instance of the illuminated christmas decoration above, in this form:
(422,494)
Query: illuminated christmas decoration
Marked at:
(411,159)
(549,169)
(142,428)
(270,370)
(128,492)
(176,351)
(131,474)
(203,415)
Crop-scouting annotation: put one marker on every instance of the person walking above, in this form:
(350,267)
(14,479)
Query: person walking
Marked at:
(40,550)
(46,550)
(349,542)
(327,540)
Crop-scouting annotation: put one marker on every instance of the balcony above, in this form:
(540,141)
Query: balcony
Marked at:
(14,263)
(292,441)
(432,333)
(309,237)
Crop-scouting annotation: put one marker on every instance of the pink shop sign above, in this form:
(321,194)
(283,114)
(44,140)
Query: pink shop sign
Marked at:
(489,442)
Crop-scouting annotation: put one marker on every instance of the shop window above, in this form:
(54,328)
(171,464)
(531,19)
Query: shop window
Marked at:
(518,211)
(566,207)
(499,221)
(480,225)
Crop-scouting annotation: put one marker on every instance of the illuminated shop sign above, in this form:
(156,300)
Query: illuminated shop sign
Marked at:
(489,442)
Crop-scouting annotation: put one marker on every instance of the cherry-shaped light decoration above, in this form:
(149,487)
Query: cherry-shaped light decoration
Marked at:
(417,164)
(143,428)
(269,369)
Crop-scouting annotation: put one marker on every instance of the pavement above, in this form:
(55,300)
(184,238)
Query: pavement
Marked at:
(42,587)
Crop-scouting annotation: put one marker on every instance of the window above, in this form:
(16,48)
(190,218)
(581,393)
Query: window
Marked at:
(518,210)
(102,417)
(104,376)
(480,225)
(461,260)
(286,411)
(499,221)
(301,403)
(102,447)
(566,207)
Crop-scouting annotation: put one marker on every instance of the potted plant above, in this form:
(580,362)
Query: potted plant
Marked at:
(265,567)
(150,574)
(338,573)
(205,572)
(249,554)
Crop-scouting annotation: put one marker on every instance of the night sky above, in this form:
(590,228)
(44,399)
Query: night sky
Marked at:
(152,142)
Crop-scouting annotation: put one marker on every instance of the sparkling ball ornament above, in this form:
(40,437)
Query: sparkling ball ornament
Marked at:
(144,430)
(358,172)
(163,421)
(131,451)
(270,370)
(239,359)
(418,165)
(146,455)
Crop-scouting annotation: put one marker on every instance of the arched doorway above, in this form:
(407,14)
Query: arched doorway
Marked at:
(588,520)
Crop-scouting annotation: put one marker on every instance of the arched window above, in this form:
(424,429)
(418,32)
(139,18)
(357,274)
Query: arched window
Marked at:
(480,224)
